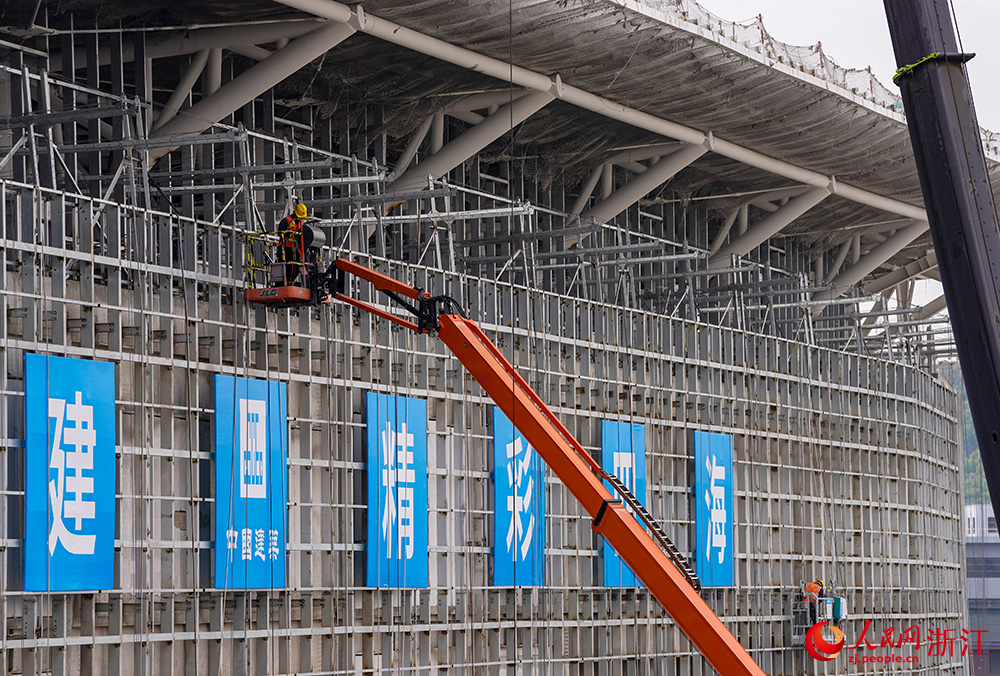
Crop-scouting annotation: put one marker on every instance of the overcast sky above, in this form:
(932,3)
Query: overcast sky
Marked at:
(856,35)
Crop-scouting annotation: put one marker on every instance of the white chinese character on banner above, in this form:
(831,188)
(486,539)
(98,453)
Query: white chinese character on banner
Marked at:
(246,536)
(715,497)
(259,541)
(624,468)
(69,513)
(520,532)
(231,537)
(398,479)
(253,448)
(272,549)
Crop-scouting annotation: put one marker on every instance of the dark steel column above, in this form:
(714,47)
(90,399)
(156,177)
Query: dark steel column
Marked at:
(959,204)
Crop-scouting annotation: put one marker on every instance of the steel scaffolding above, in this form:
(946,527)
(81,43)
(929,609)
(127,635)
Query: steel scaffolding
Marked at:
(847,463)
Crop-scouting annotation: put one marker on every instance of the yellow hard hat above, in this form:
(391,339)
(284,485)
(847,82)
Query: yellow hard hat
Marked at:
(300,211)
(819,582)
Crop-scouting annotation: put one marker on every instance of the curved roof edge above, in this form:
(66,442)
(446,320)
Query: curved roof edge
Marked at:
(807,63)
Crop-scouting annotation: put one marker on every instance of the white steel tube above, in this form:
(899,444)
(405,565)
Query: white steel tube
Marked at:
(253,83)
(607,180)
(838,262)
(437,132)
(251,51)
(873,259)
(769,226)
(902,274)
(471,142)
(587,189)
(766,201)
(724,231)
(183,89)
(411,148)
(644,153)
(213,76)
(644,183)
(188,42)
(484,100)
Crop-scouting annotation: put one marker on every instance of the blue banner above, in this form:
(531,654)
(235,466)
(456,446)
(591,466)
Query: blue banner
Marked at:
(251,483)
(713,490)
(518,508)
(70,431)
(397,553)
(623,454)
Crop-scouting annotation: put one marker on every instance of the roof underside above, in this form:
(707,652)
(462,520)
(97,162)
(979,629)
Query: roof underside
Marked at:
(666,68)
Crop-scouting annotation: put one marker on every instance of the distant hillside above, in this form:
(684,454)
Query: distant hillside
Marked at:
(975,481)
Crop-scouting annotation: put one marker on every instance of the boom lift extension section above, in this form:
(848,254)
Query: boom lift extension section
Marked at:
(651,555)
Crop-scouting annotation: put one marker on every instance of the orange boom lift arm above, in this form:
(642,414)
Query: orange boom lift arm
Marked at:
(651,555)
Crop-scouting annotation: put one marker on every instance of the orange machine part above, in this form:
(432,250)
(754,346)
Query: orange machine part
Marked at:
(380,281)
(575,467)
(279,296)
(377,312)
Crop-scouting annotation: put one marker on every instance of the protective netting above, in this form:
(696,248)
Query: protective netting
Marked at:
(810,59)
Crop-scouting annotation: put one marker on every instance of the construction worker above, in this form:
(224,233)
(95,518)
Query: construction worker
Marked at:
(290,231)
(812,593)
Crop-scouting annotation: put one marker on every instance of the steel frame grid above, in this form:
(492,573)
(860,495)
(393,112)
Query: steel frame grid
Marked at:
(252,157)
(888,430)
(792,408)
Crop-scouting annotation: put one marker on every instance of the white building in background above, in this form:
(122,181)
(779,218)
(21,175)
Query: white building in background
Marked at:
(982,556)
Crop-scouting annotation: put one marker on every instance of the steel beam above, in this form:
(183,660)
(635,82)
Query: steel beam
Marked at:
(213,74)
(473,140)
(446,216)
(537,234)
(871,321)
(251,51)
(838,262)
(743,220)
(183,89)
(642,153)
(630,193)
(932,308)
(766,201)
(189,42)
(902,274)
(955,182)
(769,226)
(253,83)
(873,259)
(414,145)
(483,100)
(727,225)
(587,189)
